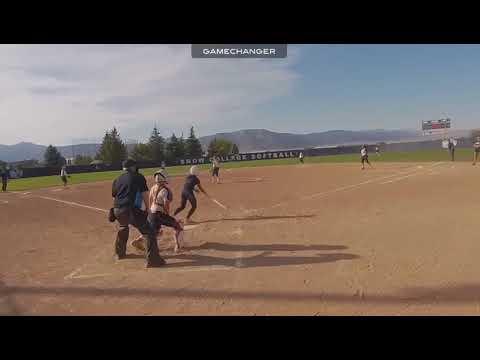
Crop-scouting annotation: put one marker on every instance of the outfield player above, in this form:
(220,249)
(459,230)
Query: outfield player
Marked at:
(364,154)
(160,199)
(300,157)
(63,175)
(191,182)
(451,148)
(4,174)
(476,150)
(215,169)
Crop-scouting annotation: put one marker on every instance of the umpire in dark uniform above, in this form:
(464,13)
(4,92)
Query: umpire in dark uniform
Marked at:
(126,190)
(4,175)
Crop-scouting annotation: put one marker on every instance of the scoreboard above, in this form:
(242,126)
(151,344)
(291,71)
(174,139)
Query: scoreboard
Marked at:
(436,124)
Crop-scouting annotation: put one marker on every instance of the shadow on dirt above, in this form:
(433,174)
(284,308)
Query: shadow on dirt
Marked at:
(260,260)
(134,256)
(469,293)
(265,247)
(7,304)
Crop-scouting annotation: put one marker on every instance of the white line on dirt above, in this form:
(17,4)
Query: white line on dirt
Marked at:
(189,227)
(400,178)
(160,270)
(73,204)
(74,273)
(87,276)
(235,180)
(194,269)
(348,187)
(186,227)
(410,175)
(239,259)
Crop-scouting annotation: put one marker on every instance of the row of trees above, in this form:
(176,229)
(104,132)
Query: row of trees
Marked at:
(113,150)
(157,149)
(52,157)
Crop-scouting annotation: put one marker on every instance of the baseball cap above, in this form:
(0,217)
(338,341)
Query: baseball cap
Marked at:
(194,170)
(161,176)
(129,163)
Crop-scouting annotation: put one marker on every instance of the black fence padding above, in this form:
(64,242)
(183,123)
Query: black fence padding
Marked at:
(71,169)
(80,169)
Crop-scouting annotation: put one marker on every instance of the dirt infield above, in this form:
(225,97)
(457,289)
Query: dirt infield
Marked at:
(297,240)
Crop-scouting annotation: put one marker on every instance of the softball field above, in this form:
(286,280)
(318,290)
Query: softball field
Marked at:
(313,239)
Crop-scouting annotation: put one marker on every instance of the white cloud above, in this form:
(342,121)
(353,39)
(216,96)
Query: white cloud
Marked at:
(56,93)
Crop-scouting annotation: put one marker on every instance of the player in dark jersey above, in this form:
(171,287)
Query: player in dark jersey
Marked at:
(191,182)
(125,190)
(4,175)
(451,148)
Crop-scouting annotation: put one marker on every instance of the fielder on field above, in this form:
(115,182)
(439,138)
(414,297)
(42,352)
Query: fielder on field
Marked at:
(64,175)
(215,169)
(4,173)
(476,150)
(364,155)
(191,182)
(451,148)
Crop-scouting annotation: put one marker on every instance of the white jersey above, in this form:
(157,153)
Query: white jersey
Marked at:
(363,152)
(215,163)
(63,172)
(158,204)
(301,156)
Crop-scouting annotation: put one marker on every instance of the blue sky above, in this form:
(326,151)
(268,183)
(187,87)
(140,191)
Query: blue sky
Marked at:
(380,86)
(72,93)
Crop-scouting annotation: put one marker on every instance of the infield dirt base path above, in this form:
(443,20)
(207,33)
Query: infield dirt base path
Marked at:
(399,239)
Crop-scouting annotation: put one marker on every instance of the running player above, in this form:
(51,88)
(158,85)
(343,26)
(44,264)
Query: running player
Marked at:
(215,169)
(300,157)
(160,198)
(364,154)
(476,150)
(377,150)
(191,182)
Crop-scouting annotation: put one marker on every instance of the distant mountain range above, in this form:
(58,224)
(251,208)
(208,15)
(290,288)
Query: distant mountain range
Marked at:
(258,140)
(246,140)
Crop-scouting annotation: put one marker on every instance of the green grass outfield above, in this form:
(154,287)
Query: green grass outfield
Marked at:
(413,156)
